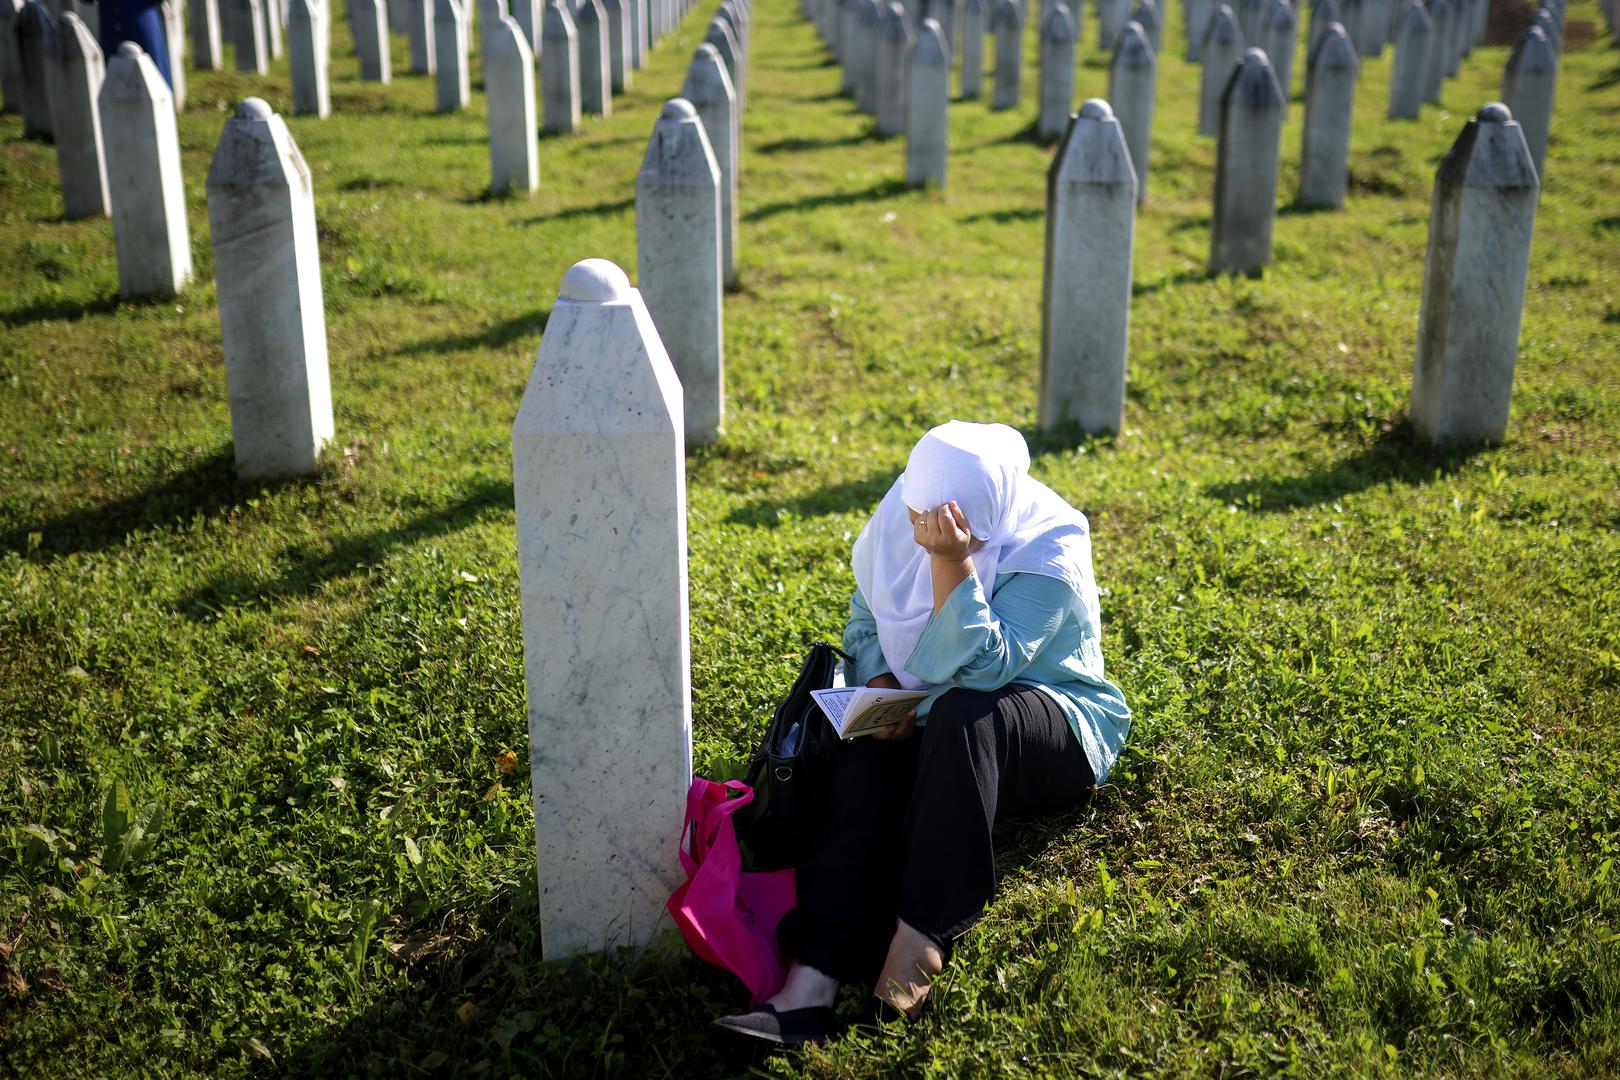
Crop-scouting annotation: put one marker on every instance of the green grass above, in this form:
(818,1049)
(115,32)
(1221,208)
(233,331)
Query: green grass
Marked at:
(1367,816)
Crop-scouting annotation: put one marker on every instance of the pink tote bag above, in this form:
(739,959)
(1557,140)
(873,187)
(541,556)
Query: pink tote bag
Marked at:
(726,914)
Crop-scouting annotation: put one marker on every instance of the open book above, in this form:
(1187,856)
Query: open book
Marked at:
(861,710)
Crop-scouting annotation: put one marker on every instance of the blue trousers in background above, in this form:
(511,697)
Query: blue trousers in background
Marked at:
(140,21)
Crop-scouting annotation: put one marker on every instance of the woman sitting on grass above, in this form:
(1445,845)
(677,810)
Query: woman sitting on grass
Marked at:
(973,583)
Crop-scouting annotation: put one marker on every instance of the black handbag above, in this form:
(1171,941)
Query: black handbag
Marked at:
(792,769)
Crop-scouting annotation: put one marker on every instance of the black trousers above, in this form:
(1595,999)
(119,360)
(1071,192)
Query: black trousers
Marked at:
(907,832)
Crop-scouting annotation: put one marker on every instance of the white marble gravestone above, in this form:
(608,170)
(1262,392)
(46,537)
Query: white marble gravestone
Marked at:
(928,92)
(12,92)
(708,89)
(143,177)
(599,490)
(595,65)
(1007,24)
(559,70)
(1408,80)
(452,79)
(975,18)
(34,27)
(1246,160)
(267,269)
(1086,299)
(1057,45)
(207,44)
(307,58)
(1132,81)
(1251,17)
(514,157)
(419,21)
(489,14)
(678,259)
(530,17)
(848,32)
(1281,27)
(1222,52)
(74,72)
(174,37)
(738,26)
(371,40)
(894,45)
(618,40)
(867,17)
(270,19)
(1151,19)
(1480,225)
(719,35)
(1527,90)
(252,48)
(1324,158)
(1323,12)
(1112,15)
(1196,15)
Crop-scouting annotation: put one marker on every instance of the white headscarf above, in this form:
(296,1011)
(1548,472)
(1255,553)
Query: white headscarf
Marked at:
(1026,526)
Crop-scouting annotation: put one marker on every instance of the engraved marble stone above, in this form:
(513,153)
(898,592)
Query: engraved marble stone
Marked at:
(1408,80)
(559,70)
(143,177)
(1148,15)
(207,44)
(1246,160)
(174,36)
(1007,24)
(894,45)
(1057,72)
(74,72)
(1222,52)
(1324,159)
(708,89)
(267,269)
(12,91)
(1086,302)
(928,91)
(599,489)
(1527,90)
(307,59)
(975,17)
(595,67)
(452,79)
(1480,224)
(419,32)
(34,27)
(618,43)
(252,48)
(1132,81)
(1281,27)
(514,157)
(371,40)
(678,258)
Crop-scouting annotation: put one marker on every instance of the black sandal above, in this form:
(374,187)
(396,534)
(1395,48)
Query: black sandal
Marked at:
(793,1027)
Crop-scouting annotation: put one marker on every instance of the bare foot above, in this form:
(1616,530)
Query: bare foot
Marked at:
(805,988)
(910,967)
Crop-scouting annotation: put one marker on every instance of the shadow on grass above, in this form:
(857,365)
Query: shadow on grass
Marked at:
(1397,456)
(1299,209)
(795,145)
(1004,217)
(1169,281)
(499,336)
(883,190)
(847,497)
(1606,81)
(317,563)
(50,310)
(600,209)
(1029,134)
(205,488)
(1064,438)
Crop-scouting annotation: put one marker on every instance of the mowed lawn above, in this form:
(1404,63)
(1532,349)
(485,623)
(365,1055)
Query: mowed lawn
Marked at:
(263,748)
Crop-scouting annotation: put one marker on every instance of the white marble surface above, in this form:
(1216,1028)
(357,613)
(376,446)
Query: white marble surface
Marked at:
(252,47)
(1195,17)
(1222,51)
(893,45)
(1057,44)
(1111,18)
(1132,88)
(1281,28)
(12,91)
(1480,225)
(620,68)
(595,65)
(174,35)
(1528,86)
(678,260)
(530,16)
(1409,76)
(270,13)
(267,271)
(559,70)
(948,13)
(452,80)
(635,12)
(599,487)
(738,26)
(34,27)
(1151,18)
(419,36)
(489,13)
(307,60)
(848,32)
(719,36)
(371,40)
(1086,298)
(207,44)
(928,90)
(708,88)
(975,23)
(865,55)
(514,155)
(74,72)
(1324,157)
(1007,26)
(143,177)
(1323,12)
(1246,160)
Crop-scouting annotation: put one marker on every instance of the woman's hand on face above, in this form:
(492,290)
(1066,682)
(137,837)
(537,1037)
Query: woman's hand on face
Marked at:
(943,532)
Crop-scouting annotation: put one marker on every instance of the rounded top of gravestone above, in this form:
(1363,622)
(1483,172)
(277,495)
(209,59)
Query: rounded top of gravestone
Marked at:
(705,51)
(594,281)
(930,50)
(1058,26)
(678,109)
(254,109)
(1495,112)
(130,50)
(1096,109)
(1335,52)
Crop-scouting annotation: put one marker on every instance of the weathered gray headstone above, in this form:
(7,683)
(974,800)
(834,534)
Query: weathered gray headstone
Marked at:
(595,66)
(419,31)
(1527,90)
(1112,16)
(12,92)
(452,79)
(975,19)
(1148,15)
(1323,12)
(307,59)
(1007,24)
(1086,302)
(34,29)
(599,487)
(719,35)
(74,72)
(708,89)
(1057,72)
(1351,14)
(1132,87)
(1324,160)
(1408,80)
(928,93)
(1281,27)
(730,14)
(1246,162)
(620,66)
(678,258)
(559,70)
(488,15)
(1377,18)
(252,47)
(143,177)
(1222,52)
(637,14)
(1434,68)
(267,269)
(893,46)
(849,23)
(865,55)
(514,158)
(1251,16)
(1480,224)
(207,47)
(1196,14)
(371,40)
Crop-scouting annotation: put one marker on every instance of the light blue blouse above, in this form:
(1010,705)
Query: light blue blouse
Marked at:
(1036,632)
